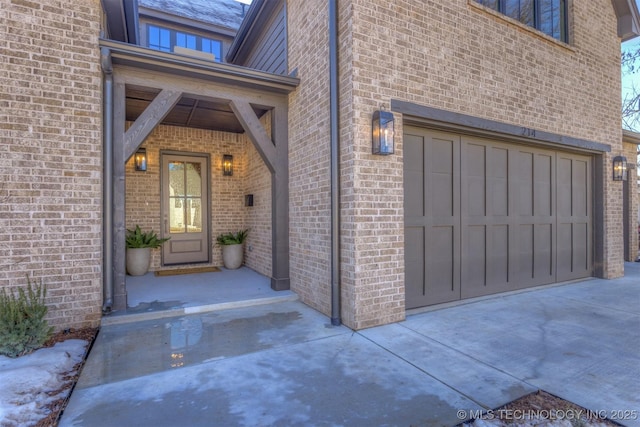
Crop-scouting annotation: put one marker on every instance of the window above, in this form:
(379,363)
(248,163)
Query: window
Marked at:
(159,38)
(166,39)
(548,16)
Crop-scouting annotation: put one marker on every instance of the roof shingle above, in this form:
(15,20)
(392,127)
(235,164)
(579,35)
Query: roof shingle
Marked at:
(225,13)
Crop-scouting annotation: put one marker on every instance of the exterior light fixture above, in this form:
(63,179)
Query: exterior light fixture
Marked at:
(140,160)
(382,133)
(227,165)
(620,168)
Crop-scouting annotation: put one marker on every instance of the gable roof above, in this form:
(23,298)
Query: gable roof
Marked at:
(631,137)
(224,13)
(628,18)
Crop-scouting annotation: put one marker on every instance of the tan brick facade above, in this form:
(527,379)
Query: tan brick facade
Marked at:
(228,213)
(309,185)
(456,56)
(50,154)
(459,57)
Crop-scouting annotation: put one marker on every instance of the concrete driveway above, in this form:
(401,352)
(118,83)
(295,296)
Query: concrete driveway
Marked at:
(284,364)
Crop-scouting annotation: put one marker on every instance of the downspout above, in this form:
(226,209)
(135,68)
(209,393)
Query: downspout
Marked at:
(335,163)
(107,180)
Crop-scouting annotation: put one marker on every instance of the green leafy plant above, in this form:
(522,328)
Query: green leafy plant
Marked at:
(232,238)
(23,327)
(138,239)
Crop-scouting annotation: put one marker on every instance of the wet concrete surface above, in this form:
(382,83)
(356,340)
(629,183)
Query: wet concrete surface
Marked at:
(283,364)
(130,350)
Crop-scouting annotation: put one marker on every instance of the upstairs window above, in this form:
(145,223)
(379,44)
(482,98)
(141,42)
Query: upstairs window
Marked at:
(548,16)
(166,39)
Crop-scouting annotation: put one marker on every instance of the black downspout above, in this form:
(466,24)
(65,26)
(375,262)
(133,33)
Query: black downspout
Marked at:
(335,163)
(107,181)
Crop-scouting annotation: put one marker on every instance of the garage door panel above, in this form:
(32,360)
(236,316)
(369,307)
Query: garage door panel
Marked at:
(543,185)
(581,259)
(497,216)
(525,254)
(564,203)
(432,218)
(440,200)
(474,261)
(574,193)
(442,277)
(525,183)
(474,180)
(543,265)
(414,176)
(498,253)
(414,267)
(579,188)
(499,182)
(565,251)
(574,251)
(440,171)
(487,272)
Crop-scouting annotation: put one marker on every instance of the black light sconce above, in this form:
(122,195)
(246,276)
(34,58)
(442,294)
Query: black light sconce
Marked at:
(140,160)
(382,133)
(227,165)
(620,168)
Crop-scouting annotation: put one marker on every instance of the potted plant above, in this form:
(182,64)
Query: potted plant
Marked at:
(232,250)
(139,245)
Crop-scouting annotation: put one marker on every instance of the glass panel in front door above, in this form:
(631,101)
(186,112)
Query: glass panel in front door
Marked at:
(185,197)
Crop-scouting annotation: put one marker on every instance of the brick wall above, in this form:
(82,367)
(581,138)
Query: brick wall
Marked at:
(309,184)
(50,154)
(228,213)
(258,218)
(458,57)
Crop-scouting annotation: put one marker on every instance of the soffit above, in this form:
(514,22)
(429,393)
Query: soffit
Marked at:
(188,112)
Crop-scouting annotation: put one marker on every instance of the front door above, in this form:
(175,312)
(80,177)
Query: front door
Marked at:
(185,208)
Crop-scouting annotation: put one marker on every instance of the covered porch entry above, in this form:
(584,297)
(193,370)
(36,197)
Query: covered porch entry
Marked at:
(193,113)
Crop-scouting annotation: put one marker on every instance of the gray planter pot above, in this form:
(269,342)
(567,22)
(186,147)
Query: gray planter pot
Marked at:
(138,260)
(232,256)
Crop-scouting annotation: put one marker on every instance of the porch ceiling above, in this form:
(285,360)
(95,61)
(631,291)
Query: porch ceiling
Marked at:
(188,112)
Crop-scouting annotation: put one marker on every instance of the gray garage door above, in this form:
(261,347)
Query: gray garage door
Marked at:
(484,216)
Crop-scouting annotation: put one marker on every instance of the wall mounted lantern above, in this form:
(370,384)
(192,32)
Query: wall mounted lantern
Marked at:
(620,168)
(382,133)
(227,165)
(140,160)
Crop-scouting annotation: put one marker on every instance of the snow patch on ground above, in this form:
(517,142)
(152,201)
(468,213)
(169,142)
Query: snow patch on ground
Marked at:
(26,382)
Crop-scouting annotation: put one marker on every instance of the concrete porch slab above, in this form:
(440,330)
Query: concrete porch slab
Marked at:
(284,364)
(343,380)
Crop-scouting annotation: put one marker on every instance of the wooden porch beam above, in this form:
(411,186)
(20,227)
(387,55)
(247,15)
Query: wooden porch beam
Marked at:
(280,201)
(149,119)
(119,216)
(256,132)
(192,112)
(199,89)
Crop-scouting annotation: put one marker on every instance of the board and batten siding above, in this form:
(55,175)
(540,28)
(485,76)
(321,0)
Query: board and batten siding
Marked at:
(265,48)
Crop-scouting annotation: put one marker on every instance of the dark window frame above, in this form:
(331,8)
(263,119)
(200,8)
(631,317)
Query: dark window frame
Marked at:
(539,24)
(173,41)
